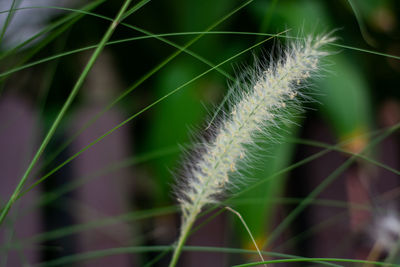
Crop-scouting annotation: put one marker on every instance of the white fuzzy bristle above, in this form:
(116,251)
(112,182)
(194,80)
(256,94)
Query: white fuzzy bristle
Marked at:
(265,100)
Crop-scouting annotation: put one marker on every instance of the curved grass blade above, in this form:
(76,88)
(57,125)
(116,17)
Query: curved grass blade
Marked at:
(183,48)
(363,29)
(142,249)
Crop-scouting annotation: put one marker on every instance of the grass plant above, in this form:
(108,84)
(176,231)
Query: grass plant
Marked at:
(174,66)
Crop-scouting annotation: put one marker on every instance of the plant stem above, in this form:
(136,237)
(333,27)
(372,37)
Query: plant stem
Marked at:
(182,239)
(64,109)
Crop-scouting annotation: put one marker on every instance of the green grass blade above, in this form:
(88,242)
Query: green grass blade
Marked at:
(63,110)
(134,9)
(142,249)
(8,20)
(98,223)
(363,29)
(49,28)
(337,148)
(70,186)
(366,51)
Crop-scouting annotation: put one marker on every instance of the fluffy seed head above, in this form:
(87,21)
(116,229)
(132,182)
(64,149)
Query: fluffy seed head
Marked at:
(271,89)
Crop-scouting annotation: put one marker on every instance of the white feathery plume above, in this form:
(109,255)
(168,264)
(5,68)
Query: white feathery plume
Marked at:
(259,105)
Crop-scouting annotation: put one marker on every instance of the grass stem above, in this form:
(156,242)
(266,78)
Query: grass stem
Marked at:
(182,238)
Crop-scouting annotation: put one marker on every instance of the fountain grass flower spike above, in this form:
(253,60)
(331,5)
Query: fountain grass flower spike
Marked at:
(262,98)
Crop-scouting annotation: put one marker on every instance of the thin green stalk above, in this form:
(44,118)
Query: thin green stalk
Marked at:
(182,239)
(63,110)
